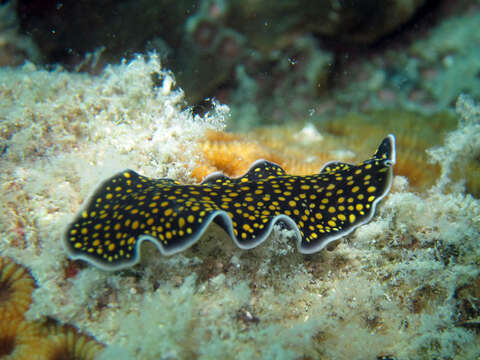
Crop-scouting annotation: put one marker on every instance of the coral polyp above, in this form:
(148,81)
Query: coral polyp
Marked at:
(34,340)
(67,342)
(16,287)
(21,340)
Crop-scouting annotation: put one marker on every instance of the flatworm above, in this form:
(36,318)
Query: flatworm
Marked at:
(129,208)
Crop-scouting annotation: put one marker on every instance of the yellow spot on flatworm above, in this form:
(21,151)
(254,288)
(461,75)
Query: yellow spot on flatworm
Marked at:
(181,222)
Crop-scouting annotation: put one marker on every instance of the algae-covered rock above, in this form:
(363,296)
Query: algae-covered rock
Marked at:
(268,23)
(450,59)
(205,40)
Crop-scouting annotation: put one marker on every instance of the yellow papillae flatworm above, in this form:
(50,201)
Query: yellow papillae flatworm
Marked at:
(129,208)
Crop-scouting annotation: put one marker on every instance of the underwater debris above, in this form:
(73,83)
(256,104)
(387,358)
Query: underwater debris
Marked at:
(129,208)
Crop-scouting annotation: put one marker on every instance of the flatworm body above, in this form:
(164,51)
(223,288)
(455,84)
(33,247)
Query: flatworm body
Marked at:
(129,208)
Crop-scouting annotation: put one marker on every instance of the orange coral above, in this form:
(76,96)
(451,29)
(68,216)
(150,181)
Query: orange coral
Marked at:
(234,153)
(16,287)
(415,132)
(21,340)
(68,343)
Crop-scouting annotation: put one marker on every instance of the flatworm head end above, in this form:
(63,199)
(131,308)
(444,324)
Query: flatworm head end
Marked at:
(360,188)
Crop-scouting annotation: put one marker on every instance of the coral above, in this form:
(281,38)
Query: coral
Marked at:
(66,342)
(287,146)
(129,208)
(233,153)
(229,153)
(16,287)
(20,340)
(415,133)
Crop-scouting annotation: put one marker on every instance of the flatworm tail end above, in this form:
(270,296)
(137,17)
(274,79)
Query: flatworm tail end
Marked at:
(129,208)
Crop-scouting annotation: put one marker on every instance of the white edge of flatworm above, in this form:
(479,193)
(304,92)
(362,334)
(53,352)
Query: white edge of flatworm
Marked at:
(223,214)
(218,174)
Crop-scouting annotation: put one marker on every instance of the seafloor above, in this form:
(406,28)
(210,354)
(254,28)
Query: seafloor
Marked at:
(404,286)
